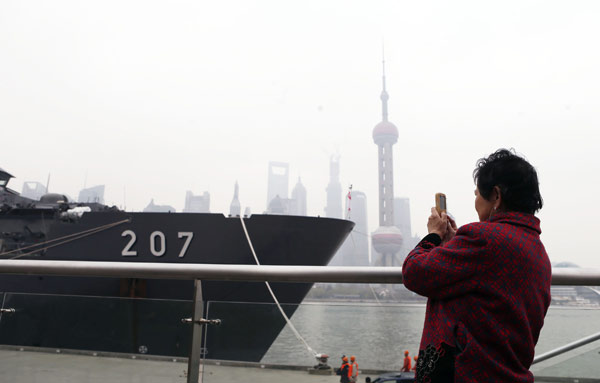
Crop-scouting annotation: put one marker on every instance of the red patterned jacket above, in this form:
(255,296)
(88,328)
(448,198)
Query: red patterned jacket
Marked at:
(488,290)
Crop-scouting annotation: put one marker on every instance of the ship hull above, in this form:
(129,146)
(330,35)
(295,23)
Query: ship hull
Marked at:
(130,315)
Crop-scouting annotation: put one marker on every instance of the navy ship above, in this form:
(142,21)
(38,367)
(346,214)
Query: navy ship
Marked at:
(144,316)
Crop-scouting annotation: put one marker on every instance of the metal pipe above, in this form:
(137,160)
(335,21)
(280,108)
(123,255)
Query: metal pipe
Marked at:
(574,276)
(196,346)
(250,273)
(566,347)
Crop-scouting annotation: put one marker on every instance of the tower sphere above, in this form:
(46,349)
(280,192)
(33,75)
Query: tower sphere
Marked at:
(385,132)
(387,239)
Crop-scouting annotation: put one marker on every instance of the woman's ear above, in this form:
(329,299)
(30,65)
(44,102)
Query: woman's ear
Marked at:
(497,198)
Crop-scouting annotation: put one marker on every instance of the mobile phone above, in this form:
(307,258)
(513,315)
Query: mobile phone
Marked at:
(440,203)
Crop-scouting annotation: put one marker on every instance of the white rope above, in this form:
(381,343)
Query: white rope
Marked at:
(292,327)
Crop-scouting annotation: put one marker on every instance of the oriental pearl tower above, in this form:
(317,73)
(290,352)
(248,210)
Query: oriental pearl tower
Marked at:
(387,239)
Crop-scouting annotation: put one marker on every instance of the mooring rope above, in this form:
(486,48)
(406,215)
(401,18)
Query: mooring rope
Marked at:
(287,319)
(65,239)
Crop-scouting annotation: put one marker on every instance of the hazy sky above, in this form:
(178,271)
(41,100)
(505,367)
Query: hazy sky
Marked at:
(157,98)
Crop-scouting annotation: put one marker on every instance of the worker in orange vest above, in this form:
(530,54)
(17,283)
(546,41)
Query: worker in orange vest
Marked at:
(344,370)
(406,366)
(353,373)
(414,368)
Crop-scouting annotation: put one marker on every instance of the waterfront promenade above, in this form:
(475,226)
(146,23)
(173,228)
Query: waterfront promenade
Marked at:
(47,367)
(52,367)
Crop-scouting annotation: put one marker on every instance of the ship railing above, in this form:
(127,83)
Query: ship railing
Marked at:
(263,273)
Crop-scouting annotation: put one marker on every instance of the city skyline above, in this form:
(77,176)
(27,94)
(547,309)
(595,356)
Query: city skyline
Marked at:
(214,94)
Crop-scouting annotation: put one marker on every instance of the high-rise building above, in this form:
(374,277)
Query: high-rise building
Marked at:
(402,221)
(92,194)
(334,189)
(235,209)
(387,239)
(402,215)
(298,200)
(33,190)
(355,250)
(197,203)
(278,181)
(279,206)
(152,208)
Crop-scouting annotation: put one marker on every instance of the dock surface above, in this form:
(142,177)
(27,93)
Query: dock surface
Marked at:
(44,367)
(58,367)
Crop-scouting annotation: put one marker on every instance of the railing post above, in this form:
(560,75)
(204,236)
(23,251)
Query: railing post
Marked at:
(193,373)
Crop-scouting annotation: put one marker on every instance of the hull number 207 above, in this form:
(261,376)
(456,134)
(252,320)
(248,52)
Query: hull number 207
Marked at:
(158,243)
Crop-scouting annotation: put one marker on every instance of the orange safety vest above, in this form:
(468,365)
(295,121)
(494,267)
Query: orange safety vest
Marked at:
(406,366)
(352,368)
(349,367)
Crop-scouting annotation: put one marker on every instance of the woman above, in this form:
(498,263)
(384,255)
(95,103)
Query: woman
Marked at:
(487,283)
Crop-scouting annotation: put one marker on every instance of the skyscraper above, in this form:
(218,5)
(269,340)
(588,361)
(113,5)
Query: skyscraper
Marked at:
(235,209)
(33,190)
(92,194)
(402,221)
(152,208)
(358,213)
(298,200)
(355,250)
(334,189)
(278,181)
(197,203)
(387,239)
(402,215)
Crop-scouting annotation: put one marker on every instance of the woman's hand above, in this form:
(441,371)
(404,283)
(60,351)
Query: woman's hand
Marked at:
(437,224)
(450,229)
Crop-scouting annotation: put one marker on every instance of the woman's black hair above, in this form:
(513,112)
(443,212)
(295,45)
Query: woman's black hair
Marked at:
(516,178)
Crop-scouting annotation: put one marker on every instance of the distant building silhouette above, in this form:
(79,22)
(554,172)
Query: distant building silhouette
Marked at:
(152,208)
(235,209)
(92,194)
(278,205)
(278,181)
(402,222)
(33,190)
(334,189)
(298,200)
(355,250)
(197,203)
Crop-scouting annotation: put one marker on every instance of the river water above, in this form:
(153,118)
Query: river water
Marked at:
(378,335)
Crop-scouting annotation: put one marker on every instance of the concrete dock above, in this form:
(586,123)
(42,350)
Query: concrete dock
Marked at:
(54,367)
(58,366)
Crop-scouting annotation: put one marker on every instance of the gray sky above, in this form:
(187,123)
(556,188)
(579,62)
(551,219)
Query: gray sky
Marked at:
(163,97)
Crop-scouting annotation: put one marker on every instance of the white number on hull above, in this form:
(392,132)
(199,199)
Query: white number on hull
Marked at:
(127,252)
(163,247)
(188,239)
(157,249)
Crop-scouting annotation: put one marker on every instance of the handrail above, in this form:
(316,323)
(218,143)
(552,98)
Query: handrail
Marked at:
(255,273)
(566,347)
(250,273)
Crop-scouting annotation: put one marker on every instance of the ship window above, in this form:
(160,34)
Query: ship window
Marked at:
(2,182)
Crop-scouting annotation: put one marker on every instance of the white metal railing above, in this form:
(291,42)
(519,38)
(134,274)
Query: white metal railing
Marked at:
(249,273)
(255,273)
